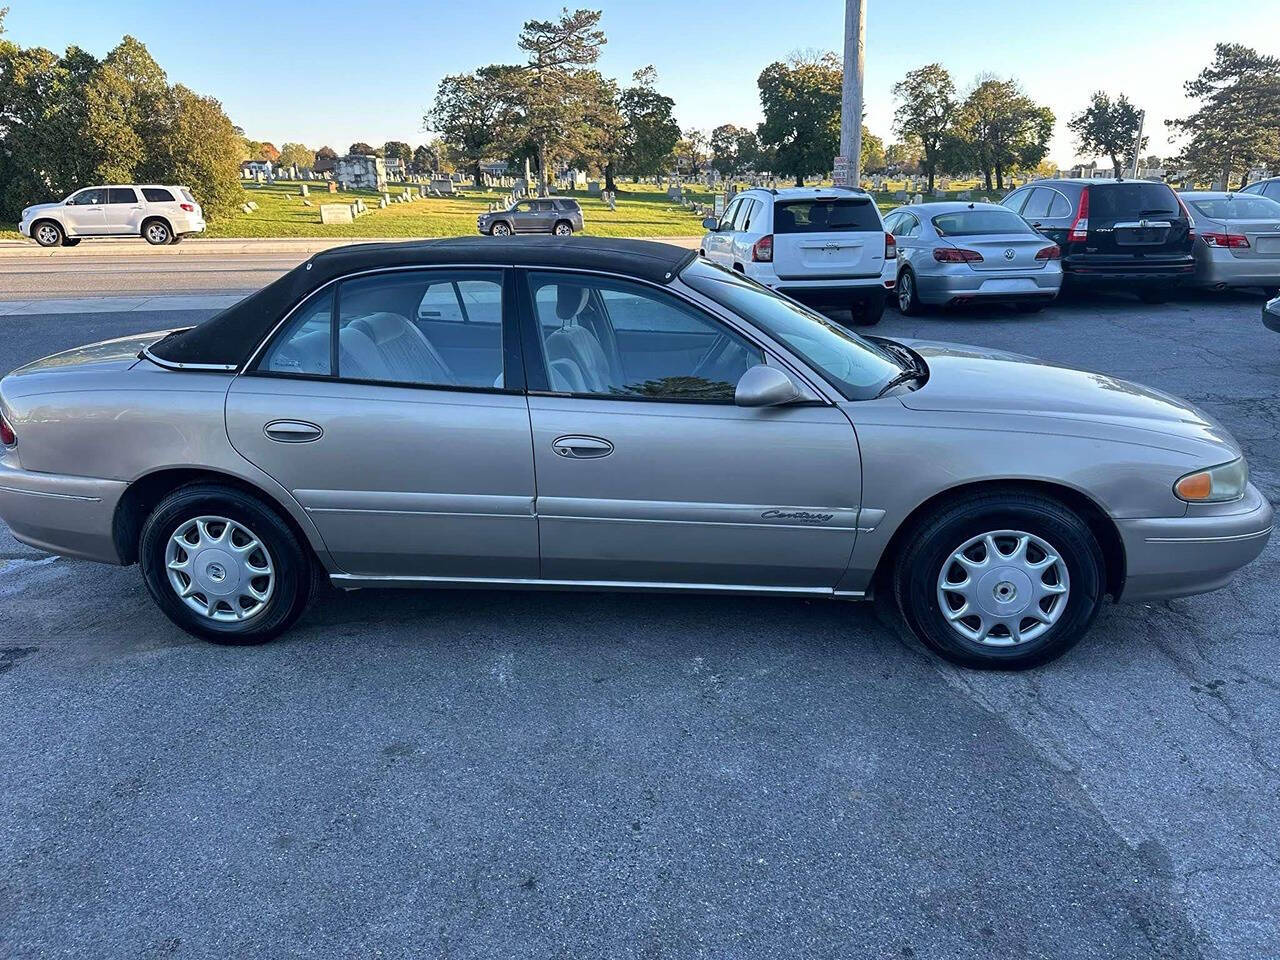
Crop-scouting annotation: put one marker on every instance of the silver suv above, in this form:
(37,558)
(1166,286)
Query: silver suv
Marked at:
(558,215)
(826,246)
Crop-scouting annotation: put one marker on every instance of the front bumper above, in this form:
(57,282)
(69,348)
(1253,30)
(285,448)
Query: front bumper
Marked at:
(1195,553)
(24,228)
(1216,267)
(1271,315)
(73,516)
(969,284)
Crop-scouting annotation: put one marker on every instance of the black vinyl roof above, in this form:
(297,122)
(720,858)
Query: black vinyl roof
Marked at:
(230,337)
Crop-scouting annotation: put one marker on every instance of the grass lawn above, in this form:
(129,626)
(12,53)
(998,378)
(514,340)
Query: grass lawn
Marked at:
(642,212)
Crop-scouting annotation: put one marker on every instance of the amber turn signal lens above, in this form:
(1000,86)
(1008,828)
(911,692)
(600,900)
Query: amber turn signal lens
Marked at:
(1195,486)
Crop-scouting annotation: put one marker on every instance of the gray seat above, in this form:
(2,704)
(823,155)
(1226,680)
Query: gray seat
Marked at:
(576,360)
(386,346)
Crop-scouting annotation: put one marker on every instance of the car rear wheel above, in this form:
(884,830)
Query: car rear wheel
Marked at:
(500,230)
(47,233)
(223,566)
(1001,582)
(563,229)
(908,298)
(156,232)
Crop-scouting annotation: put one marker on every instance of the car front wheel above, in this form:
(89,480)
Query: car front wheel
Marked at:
(47,234)
(223,566)
(1003,581)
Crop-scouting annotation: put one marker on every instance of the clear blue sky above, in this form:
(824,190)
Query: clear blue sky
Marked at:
(315,72)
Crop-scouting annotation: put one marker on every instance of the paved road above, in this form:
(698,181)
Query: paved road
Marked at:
(481,774)
(25,278)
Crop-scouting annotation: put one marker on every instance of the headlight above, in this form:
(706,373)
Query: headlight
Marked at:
(1214,485)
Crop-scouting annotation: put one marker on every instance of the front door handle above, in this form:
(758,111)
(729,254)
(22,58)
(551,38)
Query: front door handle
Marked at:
(581,448)
(292,431)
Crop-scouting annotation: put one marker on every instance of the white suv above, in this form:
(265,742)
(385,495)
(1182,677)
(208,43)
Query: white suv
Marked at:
(826,246)
(158,213)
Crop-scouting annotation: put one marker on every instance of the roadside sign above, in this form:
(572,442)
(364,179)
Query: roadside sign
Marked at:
(840,174)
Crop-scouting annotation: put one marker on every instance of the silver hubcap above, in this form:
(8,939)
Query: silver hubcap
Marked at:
(47,234)
(904,291)
(157,233)
(501,230)
(563,230)
(220,569)
(1003,588)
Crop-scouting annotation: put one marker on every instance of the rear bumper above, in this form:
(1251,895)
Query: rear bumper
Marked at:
(188,225)
(1085,272)
(67,515)
(1042,285)
(1218,268)
(1175,557)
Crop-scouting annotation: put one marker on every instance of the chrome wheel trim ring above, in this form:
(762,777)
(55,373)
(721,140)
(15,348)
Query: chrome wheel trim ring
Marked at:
(220,569)
(904,291)
(1003,588)
(47,234)
(158,233)
(563,230)
(501,230)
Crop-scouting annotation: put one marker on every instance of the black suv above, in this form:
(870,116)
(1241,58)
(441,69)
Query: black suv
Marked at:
(1131,234)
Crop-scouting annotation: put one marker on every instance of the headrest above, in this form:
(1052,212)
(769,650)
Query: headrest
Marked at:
(784,219)
(380,327)
(570,300)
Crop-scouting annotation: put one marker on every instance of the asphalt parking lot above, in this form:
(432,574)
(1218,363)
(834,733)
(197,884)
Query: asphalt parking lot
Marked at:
(485,774)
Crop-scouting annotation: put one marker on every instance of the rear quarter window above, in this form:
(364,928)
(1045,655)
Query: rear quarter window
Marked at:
(839,215)
(157,195)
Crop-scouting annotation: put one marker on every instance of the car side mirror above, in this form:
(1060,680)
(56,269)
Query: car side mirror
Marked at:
(711,223)
(764,386)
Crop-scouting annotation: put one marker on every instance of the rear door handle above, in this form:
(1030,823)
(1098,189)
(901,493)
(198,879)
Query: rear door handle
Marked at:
(581,448)
(292,431)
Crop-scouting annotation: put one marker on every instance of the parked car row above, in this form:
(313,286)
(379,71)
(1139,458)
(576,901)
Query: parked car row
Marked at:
(159,213)
(831,247)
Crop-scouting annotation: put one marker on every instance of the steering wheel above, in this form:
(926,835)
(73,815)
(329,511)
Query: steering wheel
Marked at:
(712,355)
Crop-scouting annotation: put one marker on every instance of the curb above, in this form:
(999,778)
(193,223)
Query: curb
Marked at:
(299,246)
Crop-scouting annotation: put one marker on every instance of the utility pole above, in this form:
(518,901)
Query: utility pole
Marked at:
(1137,144)
(855,31)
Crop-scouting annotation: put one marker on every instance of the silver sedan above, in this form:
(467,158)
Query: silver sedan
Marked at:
(1237,240)
(604,414)
(954,253)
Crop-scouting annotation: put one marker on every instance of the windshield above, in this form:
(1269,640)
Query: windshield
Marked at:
(979,223)
(1241,207)
(854,366)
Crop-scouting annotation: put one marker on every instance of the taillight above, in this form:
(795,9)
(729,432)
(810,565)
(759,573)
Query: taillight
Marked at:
(762,249)
(890,247)
(1053,252)
(1079,231)
(189,207)
(7,436)
(1191,221)
(1229,240)
(952,255)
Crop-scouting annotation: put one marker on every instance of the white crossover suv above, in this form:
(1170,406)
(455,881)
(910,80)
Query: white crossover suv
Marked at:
(159,214)
(825,246)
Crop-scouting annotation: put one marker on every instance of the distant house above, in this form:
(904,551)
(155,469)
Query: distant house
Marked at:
(251,168)
(395,168)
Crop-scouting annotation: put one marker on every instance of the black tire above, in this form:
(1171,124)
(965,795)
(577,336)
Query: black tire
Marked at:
(1153,295)
(1032,307)
(71,241)
(294,569)
(563,228)
(157,232)
(48,233)
(907,298)
(921,563)
(868,312)
(500,229)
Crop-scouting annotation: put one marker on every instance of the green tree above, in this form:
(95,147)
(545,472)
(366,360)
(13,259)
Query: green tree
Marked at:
(197,148)
(1003,130)
(362,149)
(872,159)
(296,154)
(726,147)
(801,103)
(903,157)
(1237,123)
(326,157)
(425,159)
(926,113)
(472,114)
(555,87)
(607,134)
(1108,128)
(398,150)
(652,128)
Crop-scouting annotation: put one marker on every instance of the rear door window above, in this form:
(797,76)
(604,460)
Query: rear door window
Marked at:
(1037,207)
(834,215)
(121,195)
(1131,201)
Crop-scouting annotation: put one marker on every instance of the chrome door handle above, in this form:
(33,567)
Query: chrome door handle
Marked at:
(581,448)
(292,431)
